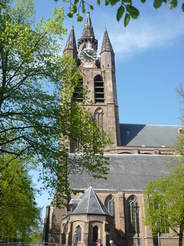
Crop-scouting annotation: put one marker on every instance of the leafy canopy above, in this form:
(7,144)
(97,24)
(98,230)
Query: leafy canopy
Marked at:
(19,214)
(36,119)
(125,8)
(165,202)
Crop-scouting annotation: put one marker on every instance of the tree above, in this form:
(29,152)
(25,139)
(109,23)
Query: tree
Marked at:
(165,203)
(19,214)
(36,236)
(31,117)
(125,8)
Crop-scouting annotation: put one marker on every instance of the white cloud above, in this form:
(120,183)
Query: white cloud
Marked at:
(155,31)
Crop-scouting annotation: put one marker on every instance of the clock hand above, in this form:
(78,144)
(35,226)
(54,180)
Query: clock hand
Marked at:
(85,52)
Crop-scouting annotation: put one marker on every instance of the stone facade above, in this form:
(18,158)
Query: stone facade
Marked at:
(138,155)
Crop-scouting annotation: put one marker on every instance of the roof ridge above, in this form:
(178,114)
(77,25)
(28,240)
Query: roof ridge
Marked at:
(148,124)
(88,200)
(97,198)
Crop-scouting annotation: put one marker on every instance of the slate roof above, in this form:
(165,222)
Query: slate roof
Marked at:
(71,42)
(148,135)
(89,203)
(128,172)
(106,43)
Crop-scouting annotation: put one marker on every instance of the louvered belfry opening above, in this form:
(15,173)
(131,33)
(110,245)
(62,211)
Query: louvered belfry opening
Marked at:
(99,89)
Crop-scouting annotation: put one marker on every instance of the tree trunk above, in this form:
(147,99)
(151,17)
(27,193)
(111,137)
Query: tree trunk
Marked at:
(180,235)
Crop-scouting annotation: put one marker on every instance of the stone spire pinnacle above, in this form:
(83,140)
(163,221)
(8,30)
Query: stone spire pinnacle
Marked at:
(88,37)
(106,43)
(88,29)
(71,42)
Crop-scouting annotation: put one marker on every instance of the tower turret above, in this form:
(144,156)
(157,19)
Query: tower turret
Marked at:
(70,47)
(107,53)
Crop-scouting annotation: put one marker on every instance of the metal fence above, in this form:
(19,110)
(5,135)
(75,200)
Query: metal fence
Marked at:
(30,244)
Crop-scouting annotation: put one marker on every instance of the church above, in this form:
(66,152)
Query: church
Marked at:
(112,209)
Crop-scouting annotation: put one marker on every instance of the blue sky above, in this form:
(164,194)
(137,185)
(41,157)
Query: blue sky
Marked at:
(149,55)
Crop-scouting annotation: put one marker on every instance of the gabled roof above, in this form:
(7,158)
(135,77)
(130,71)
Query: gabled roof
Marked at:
(148,135)
(106,43)
(71,42)
(90,204)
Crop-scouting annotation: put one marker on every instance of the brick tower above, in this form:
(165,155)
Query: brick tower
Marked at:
(100,77)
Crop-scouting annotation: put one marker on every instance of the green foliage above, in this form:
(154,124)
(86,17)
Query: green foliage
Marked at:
(127,19)
(126,8)
(157,3)
(173,4)
(165,202)
(19,214)
(120,12)
(31,117)
(36,236)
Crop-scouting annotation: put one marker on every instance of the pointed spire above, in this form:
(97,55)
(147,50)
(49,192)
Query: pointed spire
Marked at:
(88,36)
(88,29)
(106,43)
(71,42)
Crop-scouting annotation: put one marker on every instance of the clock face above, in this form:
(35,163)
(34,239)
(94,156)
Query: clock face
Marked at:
(88,55)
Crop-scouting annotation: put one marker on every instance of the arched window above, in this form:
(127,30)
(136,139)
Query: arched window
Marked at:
(78,231)
(99,89)
(95,234)
(98,116)
(63,234)
(133,215)
(110,205)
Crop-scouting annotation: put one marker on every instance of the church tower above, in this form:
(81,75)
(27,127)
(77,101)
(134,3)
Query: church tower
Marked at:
(114,208)
(99,76)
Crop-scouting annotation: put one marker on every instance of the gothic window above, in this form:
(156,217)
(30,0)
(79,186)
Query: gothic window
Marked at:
(63,234)
(98,115)
(110,205)
(95,234)
(133,215)
(99,89)
(78,94)
(78,231)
